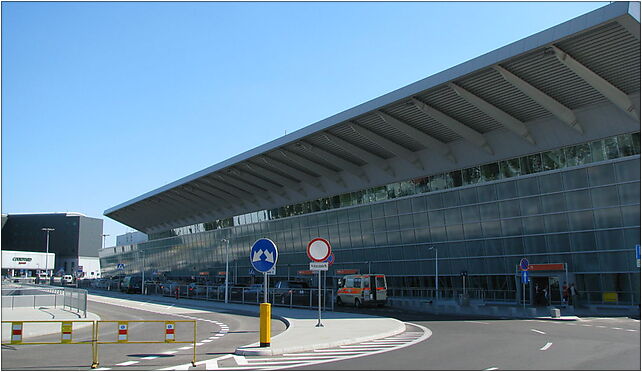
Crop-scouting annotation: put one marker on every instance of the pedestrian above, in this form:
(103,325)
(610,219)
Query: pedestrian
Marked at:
(574,293)
(565,293)
(545,296)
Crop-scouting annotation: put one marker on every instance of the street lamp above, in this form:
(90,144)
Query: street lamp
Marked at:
(436,273)
(104,236)
(47,229)
(227,265)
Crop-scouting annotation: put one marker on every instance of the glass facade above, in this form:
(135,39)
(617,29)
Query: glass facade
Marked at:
(579,205)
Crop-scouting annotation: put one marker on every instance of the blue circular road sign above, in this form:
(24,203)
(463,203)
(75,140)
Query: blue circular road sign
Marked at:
(263,255)
(523,264)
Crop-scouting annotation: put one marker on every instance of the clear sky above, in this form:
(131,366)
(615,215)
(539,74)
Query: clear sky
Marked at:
(103,102)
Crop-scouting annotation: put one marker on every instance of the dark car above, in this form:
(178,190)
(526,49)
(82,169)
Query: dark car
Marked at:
(292,292)
(132,284)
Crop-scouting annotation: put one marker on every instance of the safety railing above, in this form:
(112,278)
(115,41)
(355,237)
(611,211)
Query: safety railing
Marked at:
(26,295)
(13,333)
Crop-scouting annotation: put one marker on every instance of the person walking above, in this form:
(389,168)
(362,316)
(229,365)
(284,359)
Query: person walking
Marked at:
(573,292)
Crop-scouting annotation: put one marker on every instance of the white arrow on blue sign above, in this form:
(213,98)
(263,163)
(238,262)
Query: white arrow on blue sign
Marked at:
(524,276)
(263,255)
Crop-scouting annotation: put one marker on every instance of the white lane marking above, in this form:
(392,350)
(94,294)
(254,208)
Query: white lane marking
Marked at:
(600,326)
(129,363)
(351,349)
(150,357)
(545,347)
(361,347)
(171,352)
(199,343)
(616,328)
(540,332)
(219,334)
(290,358)
(587,325)
(631,330)
(214,337)
(309,359)
(184,347)
(103,369)
(206,340)
(474,321)
(491,369)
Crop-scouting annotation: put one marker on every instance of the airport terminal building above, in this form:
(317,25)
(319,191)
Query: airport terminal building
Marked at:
(529,151)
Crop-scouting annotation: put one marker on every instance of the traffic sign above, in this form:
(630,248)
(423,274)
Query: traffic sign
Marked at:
(263,255)
(637,254)
(523,264)
(319,266)
(120,266)
(524,277)
(330,259)
(319,249)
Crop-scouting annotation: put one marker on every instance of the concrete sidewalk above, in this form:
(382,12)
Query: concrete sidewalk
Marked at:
(301,333)
(48,321)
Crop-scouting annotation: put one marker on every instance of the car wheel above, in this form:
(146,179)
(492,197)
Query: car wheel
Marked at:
(339,301)
(357,303)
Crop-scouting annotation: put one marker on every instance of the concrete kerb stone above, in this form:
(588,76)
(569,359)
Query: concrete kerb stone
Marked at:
(253,350)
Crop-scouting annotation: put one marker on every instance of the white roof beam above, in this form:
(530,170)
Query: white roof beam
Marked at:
(550,104)
(277,189)
(304,177)
(293,185)
(463,130)
(420,136)
(214,201)
(222,203)
(242,194)
(254,190)
(608,90)
(500,116)
(362,154)
(231,199)
(335,159)
(313,166)
(387,144)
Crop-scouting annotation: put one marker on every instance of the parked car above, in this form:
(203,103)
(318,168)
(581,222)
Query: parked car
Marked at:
(132,284)
(67,280)
(292,291)
(196,290)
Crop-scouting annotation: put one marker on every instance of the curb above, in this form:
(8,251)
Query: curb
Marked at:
(252,349)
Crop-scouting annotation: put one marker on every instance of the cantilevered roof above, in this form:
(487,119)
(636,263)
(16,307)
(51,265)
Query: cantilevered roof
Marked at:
(529,96)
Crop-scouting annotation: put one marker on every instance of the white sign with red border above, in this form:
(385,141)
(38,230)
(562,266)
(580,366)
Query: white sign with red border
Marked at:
(319,249)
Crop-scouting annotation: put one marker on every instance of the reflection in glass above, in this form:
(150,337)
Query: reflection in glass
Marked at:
(577,155)
(553,160)
(490,172)
(471,176)
(531,164)
(610,148)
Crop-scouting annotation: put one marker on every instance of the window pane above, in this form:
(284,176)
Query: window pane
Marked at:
(597,151)
(437,182)
(604,196)
(509,208)
(553,203)
(531,164)
(556,222)
(489,211)
(627,170)
(553,159)
(608,217)
(601,175)
(471,175)
(581,220)
(490,172)
(635,137)
(625,144)
(486,193)
(530,206)
(528,186)
(509,168)
(578,155)
(422,184)
(611,148)
(451,199)
(455,178)
(533,225)
(629,193)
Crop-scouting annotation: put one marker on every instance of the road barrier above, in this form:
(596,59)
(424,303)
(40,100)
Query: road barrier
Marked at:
(100,334)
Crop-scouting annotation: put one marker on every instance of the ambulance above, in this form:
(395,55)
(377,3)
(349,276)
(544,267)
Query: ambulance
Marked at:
(362,290)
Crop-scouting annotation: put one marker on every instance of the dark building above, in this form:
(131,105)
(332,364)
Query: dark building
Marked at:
(76,239)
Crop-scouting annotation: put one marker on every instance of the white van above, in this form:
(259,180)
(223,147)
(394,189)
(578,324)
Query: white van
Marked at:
(67,279)
(362,289)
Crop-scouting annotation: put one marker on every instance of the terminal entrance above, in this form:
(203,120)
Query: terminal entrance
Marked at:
(544,287)
(545,291)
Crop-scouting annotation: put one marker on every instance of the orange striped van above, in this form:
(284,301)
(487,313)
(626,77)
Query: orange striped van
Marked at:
(362,290)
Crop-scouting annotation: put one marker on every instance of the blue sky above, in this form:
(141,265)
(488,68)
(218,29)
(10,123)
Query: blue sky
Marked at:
(102,102)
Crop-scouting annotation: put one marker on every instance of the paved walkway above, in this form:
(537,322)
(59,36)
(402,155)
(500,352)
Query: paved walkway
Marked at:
(301,333)
(48,320)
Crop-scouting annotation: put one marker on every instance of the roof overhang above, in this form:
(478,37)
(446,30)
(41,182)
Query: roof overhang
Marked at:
(545,91)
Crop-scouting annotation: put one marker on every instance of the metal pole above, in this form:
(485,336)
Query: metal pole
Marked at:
(47,229)
(227,265)
(265,293)
(436,275)
(142,285)
(319,323)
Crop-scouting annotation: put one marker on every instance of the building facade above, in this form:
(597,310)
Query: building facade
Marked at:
(521,153)
(75,240)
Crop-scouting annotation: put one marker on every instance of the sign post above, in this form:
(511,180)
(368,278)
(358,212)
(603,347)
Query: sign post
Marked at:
(637,254)
(263,257)
(318,251)
(523,264)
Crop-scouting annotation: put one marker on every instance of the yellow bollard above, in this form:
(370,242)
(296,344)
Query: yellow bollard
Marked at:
(265,321)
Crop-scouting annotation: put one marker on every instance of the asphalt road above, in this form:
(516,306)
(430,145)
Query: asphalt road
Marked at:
(459,343)
(218,333)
